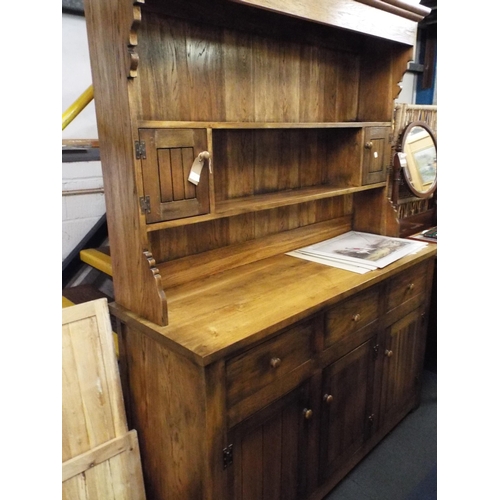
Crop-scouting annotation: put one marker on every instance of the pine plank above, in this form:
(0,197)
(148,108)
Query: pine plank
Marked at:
(94,427)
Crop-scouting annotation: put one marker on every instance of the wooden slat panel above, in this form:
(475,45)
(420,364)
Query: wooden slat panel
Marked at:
(99,482)
(89,353)
(347,79)
(74,436)
(243,77)
(251,463)
(94,424)
(98,454)
(114,479)
(187,161)
(204,80)
(165,173)
(75,488)
(272,467)
(238,78)
(177,174)
(312,82)
(268,157)
(265,76)
(289,452)
(234,160)
(289,79)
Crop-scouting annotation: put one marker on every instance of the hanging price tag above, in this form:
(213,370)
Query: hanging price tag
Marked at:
(196,168)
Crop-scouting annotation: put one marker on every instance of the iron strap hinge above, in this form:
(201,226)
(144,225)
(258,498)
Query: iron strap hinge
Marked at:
(140,150)
(227,456)
(145,204)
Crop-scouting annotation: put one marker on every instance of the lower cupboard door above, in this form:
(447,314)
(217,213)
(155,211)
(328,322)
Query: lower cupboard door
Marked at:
(270,451)
(403,349)
(346,414)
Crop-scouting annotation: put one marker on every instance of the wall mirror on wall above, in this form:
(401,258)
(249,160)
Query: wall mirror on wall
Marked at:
(417,158)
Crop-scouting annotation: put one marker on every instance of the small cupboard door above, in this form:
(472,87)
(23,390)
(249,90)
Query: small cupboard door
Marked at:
(167,158)
(403,350)
(346,416)
(271,450)
(376,154)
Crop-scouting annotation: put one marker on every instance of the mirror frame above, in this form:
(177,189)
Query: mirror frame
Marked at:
(407,177)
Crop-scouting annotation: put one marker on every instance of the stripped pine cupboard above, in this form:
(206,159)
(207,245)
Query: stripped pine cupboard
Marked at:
(232,132)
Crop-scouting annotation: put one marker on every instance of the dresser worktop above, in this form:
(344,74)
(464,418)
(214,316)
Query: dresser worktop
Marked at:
(215,316)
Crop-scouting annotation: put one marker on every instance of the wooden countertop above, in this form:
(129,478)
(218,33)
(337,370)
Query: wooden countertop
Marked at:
(215,316)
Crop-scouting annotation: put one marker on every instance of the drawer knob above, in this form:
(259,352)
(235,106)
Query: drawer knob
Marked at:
(275,362)
(328,399)
(356,317)
(411,286)
(308,413)
(368,145)
(388,353)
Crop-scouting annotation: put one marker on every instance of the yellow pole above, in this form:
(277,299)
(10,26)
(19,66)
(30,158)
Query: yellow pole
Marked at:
(74,110)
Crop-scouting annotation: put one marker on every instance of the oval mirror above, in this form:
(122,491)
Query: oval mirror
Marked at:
(419,164)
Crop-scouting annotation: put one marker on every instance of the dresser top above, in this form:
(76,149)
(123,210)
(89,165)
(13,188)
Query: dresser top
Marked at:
(218,315)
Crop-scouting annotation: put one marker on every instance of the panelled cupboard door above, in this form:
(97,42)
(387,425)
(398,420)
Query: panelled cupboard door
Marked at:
(166,158)
(346,414)
(376,154)
(403,350)
(270,451)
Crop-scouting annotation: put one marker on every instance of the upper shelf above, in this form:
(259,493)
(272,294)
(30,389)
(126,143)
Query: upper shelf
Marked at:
(256,125)
(229,208)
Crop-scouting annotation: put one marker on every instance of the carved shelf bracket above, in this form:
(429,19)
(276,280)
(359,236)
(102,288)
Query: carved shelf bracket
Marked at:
(159,315)
(132,39)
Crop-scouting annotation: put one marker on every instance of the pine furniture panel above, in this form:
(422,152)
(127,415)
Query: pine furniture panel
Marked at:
(100,455)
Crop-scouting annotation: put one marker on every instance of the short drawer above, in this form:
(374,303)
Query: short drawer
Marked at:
(268,363)
(406,286)
(351,315)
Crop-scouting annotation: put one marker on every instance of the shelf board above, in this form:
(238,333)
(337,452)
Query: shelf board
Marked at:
(255,203)
(257,125)
(283,198)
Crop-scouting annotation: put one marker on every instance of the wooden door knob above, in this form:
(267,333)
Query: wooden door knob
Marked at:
(308,413)
(275,362)
(369,145)
(411,286)
(328,399)
(356,317)
(388,353)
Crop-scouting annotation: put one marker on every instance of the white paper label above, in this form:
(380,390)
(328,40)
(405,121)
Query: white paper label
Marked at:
(196,168)
(194,178)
